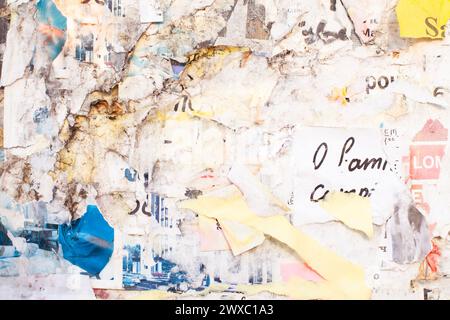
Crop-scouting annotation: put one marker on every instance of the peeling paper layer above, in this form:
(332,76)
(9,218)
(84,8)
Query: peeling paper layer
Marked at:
(309,139)
(340,274)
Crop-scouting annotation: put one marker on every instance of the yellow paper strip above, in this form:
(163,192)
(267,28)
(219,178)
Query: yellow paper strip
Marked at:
(340,274)
(351,209)
(240,237)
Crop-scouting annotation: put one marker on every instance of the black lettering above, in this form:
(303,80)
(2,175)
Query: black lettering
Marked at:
(372,85)
(342,34)
(317,166)
(386,82)
(437,92)
(364,192)
(346,149)
(333,5)
(320,27)
(320,186)
(146,179)
(147,213)
(367,33)
(374,161)
(433,28)
(328,34)
(425,293)
(308,32)
(183,109)
(443,29)
(138,204)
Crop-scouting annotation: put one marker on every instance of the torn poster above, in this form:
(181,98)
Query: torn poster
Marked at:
(87,242)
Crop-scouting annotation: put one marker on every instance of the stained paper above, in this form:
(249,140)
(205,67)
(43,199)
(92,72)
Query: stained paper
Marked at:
(224,149)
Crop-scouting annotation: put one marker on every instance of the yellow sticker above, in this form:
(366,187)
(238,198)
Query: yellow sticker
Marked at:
(423,18)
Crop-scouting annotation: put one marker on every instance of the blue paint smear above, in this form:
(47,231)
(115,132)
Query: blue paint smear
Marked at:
(130,174)
(6,242)
(177,68)
(137,64)
(4,239)
(88,242)
(6,255)
(40,115)
(49,16)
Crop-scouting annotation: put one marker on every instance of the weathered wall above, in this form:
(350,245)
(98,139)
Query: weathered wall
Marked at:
(223,148)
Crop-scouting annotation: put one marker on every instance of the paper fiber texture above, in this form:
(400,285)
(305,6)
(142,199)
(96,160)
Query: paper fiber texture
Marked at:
(224,149)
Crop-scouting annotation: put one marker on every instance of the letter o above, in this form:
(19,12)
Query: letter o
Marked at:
(386,82)
(317,166)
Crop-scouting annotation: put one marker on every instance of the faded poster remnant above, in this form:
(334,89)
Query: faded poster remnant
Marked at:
(88,242)
(230,149)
